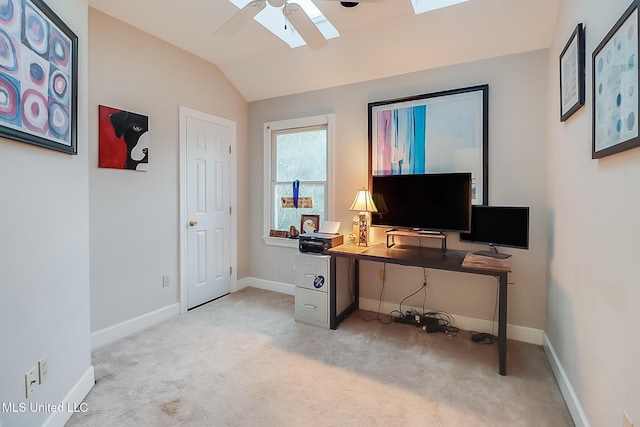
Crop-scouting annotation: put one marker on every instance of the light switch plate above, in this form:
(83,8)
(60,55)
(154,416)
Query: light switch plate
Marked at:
(31,381)
(43,369)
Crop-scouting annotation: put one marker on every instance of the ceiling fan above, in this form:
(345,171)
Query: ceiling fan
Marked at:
(293,13)
(355,3)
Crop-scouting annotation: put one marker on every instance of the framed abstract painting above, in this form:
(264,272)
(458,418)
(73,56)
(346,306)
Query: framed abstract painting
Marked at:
(432,133)
(615,88)
(38,76)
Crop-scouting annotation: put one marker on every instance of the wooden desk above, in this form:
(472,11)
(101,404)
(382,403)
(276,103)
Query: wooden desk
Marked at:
(451,260)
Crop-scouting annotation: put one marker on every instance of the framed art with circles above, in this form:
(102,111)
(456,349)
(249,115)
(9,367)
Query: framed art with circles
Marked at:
(38,76)
(615,88)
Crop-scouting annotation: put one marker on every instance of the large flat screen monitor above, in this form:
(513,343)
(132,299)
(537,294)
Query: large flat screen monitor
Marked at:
(499,226)
(438,201)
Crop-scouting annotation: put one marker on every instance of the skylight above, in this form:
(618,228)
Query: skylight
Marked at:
(273,20)
(422,6)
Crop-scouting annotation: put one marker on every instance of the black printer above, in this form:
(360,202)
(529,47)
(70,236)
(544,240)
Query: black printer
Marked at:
(318,243)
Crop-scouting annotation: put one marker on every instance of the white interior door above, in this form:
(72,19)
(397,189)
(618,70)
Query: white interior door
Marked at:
(208,143)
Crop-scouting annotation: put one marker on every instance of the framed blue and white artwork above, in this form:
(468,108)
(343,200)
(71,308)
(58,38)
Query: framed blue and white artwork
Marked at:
(438,132)
(615,88)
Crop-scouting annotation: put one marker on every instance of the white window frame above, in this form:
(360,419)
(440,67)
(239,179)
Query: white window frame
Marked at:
(268,202)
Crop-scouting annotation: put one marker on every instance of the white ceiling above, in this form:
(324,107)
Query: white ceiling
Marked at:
(377,39)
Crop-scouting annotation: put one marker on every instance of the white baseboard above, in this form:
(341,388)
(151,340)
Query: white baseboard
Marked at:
(518,333)
(72,402)
(121,330)
(267,285)
(569,394)
(514,332)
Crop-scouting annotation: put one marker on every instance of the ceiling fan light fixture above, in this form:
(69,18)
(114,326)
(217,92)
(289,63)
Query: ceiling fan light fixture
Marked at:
(349,3)
(308,25)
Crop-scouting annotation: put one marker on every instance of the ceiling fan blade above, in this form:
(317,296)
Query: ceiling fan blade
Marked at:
(304,26)
(241,17)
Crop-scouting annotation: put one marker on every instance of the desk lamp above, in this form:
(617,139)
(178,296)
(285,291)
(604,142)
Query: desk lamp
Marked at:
(363,204)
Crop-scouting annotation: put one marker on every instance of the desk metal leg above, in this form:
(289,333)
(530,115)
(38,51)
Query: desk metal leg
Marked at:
(502,324)
(356,284)
(334,317)
(333,298)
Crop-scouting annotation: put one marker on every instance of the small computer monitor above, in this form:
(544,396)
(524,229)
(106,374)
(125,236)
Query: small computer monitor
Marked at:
(499,226)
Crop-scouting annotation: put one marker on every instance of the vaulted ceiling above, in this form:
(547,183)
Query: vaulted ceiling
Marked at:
(376,39)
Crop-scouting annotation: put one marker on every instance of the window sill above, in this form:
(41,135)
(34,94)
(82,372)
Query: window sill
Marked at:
(281,241)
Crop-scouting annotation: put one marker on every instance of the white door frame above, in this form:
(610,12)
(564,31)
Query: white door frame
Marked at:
(233,188)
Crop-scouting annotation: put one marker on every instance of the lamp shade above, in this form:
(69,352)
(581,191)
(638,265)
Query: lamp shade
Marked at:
(363,202)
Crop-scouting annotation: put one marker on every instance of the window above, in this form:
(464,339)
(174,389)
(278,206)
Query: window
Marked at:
(297,150)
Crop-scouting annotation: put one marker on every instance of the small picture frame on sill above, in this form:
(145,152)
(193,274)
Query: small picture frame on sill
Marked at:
(309,223)
(572,74)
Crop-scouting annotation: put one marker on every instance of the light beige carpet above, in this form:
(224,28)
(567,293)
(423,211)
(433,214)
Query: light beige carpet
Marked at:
(244,361)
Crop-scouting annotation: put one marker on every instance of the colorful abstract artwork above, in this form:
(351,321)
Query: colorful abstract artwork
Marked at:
(123,139)
(615,88)
(38,76)
(401,140)
(432,133)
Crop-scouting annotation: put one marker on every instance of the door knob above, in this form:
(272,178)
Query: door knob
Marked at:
(193,223)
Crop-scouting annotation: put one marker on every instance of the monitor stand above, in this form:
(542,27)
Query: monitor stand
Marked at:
(492,253)
(415,233)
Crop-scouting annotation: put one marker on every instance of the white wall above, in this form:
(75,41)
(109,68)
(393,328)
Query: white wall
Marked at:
(44,259)
(517,176)
(134,215)
(592,315)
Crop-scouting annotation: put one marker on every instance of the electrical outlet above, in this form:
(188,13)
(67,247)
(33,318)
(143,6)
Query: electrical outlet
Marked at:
(43,369)
(165,280)
(31,381)
(626,422)
(381,274)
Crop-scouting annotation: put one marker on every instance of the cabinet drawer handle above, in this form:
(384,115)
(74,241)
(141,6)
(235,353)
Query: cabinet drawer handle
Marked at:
(311,306)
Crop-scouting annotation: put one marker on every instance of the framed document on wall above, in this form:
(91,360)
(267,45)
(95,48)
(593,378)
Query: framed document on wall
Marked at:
(572,66)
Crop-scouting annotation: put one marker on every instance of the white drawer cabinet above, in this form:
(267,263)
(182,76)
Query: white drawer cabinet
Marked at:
(312,289)
(312,307)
